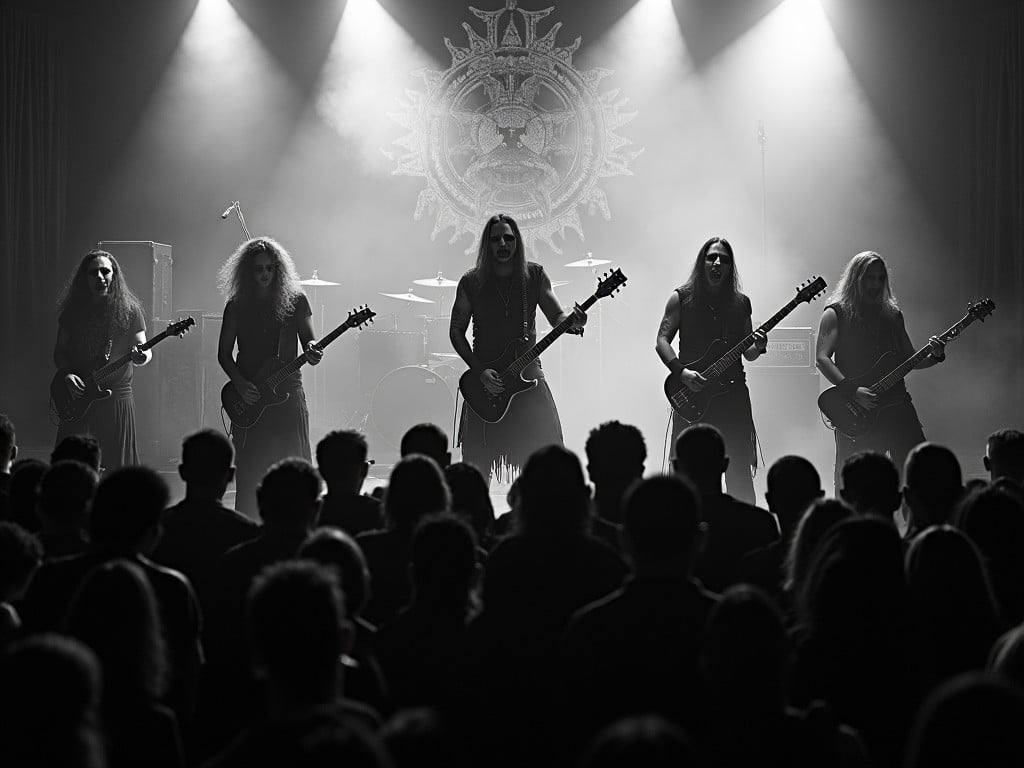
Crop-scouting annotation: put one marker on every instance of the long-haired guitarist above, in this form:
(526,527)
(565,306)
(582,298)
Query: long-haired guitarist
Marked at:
(862,322)
(710,306)
(267,316)
(501,295)
(100,318)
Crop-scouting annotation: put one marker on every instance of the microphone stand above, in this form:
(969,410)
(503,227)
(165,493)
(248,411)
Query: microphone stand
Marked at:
(237,208)
(763,139)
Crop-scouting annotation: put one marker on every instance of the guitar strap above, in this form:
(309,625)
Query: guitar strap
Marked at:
(526,287)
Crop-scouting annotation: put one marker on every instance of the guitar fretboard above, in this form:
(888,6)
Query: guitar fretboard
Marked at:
(520,363)
(114,365)
(287,370)
(896,376)
(721,365)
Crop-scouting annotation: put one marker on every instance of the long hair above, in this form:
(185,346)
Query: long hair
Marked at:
(76,307)
(847,293)
(484,266)
(237,280)
(696,286)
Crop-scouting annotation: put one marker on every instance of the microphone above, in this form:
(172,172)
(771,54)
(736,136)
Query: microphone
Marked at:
(228,210)
(760,131)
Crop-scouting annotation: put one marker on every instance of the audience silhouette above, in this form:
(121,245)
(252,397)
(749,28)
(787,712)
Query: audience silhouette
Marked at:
(49,704)
(114,613)
(655,621)
(793,484)
(734,527)
(341,458)
(20,557)
(932,487)
(416,490)
(65,498)
(635,651)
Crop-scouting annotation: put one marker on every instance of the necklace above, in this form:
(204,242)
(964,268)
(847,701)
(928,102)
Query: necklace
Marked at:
(505,298)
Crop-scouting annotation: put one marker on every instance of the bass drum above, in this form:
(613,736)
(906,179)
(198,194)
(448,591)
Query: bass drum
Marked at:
(406,397)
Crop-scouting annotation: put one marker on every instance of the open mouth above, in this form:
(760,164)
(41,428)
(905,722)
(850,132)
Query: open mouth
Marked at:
(504,253)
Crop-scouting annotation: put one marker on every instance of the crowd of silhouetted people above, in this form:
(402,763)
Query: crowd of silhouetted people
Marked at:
(607,619)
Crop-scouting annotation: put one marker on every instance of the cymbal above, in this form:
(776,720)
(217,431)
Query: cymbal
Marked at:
(588,262)
(559,283)
(436,282)
(408,297)
(316,281)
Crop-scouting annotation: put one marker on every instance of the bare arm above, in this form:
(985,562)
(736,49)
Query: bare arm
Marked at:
(825,347)
(760,342)
(304,327)
(548,302)
(552,308)
(144,357)
(314,353)
(667,332)
(908,349)
(462,313)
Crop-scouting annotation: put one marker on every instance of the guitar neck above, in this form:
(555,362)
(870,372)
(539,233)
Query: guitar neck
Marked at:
(520,363)
(723,363)
(285,371)
(896,376)
(115,365)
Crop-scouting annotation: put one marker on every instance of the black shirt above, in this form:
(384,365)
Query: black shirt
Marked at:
(705,319)
(261,337)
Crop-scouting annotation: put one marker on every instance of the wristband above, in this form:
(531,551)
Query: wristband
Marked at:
(676,366)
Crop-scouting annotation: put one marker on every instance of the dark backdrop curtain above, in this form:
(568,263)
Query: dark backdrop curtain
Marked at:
(992,242)
(33,182)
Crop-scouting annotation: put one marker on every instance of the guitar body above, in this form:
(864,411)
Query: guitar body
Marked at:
(688,405)
(492,408)
(67,407)
(844,412)
(244,415)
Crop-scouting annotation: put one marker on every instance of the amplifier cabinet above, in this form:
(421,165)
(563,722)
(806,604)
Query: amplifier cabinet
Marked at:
(790,351)
(148,269)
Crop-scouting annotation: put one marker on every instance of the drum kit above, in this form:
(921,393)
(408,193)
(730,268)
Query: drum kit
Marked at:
(407,367)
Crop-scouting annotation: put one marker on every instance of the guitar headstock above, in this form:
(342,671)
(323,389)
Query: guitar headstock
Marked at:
(181,327)
(811,289)
(360,316)
(982,309)
(610,283)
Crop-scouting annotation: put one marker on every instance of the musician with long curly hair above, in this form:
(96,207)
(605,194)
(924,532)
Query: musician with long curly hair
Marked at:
(99,318)
(709,306)
(861,322)
(266,315)
(501,295)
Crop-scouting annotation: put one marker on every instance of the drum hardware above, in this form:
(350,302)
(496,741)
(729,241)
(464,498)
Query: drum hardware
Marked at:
(588,262)
(408,296)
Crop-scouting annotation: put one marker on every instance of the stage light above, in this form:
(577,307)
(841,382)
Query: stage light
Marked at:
(370,62)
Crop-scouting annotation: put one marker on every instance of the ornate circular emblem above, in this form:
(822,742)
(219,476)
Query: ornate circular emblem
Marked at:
(512,126)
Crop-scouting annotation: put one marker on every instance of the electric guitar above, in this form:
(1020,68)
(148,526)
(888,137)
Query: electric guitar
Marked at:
(717,358)
(510,366)
(70,408)
(270,376)
(838,403)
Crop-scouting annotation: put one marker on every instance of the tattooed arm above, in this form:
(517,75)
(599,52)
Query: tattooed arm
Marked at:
(667,332)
